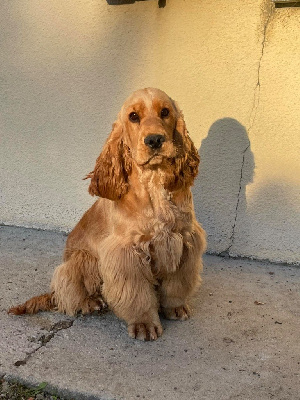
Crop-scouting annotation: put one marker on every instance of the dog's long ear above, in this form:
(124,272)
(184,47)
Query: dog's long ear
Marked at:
(186,168)
(113,166)
(192,158)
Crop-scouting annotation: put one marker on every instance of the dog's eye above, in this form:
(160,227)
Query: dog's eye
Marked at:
(133,116)
(164,112)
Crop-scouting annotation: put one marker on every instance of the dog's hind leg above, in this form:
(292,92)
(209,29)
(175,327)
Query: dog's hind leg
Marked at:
(76,284)
(75,287)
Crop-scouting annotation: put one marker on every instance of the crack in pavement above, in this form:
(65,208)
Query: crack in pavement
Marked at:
(45,338)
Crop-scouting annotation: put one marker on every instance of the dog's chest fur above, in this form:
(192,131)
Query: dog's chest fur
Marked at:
(164,236)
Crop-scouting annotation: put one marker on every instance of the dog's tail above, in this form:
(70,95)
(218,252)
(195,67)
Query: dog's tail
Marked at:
(44,302)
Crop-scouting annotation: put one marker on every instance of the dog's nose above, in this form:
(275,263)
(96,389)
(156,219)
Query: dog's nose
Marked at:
(154,141)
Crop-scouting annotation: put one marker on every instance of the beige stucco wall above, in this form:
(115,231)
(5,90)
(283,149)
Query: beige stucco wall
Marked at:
(233,66)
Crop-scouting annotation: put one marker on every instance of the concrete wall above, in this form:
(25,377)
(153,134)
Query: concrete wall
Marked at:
(233,66)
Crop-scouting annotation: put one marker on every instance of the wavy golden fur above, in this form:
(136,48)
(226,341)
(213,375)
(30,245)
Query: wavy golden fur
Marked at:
(138,248)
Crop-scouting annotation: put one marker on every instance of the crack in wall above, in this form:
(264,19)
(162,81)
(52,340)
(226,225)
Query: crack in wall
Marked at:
(253,114)
(256,97)
(45,338)
(225,253)
(238,199)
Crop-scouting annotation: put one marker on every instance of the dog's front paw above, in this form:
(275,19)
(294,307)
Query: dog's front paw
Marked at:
(146,331)
(181,313)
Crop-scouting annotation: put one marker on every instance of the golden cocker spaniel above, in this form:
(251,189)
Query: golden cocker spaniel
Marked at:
(138,248)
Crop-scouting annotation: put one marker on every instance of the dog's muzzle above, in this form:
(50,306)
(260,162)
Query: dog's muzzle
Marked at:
(154,141)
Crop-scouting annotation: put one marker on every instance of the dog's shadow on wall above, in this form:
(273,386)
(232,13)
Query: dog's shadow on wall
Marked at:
(226,168)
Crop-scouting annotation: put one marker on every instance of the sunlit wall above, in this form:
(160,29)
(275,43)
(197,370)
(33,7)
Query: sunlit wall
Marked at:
(234,68)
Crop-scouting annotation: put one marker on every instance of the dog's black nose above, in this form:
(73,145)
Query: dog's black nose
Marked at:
(154,141)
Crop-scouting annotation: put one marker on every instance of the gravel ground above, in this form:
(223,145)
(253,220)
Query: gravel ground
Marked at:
(242,342)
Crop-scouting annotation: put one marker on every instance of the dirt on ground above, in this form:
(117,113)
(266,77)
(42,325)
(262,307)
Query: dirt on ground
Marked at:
(17,391)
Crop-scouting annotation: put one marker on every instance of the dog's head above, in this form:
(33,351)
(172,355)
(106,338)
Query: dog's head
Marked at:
(151,133)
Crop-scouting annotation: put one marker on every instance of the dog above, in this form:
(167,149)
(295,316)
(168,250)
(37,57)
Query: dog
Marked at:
(139,248)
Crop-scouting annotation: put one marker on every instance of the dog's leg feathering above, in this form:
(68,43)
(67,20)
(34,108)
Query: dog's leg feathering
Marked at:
(177,289)
(128,289)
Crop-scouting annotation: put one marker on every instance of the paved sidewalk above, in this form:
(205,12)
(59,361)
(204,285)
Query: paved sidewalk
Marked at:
(243,341)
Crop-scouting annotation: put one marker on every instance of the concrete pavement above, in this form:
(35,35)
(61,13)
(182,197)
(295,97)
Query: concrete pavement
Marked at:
(243,341)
